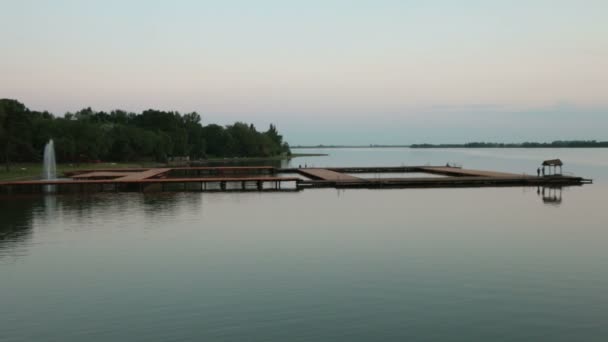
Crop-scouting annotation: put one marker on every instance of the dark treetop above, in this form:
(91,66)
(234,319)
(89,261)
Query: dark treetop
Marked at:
(153,135)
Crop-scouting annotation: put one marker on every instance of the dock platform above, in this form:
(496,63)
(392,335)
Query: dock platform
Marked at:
(270,179)
(329,175)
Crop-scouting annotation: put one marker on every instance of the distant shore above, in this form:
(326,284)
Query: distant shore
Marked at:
(554,144)
(345,146)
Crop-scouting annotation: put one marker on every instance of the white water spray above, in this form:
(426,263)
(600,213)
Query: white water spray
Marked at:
(49,166)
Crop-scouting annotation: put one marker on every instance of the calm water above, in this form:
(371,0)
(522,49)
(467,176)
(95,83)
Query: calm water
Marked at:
(319,265)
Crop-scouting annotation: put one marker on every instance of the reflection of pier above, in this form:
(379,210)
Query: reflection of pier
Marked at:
(551,195)
(272,179)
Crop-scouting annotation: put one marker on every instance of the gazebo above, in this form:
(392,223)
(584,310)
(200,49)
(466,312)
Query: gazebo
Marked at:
(553,163)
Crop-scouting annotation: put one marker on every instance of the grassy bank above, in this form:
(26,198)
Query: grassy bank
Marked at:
(25,171)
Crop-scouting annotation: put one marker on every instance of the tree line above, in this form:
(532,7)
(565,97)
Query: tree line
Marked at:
(152,135)
(553,144)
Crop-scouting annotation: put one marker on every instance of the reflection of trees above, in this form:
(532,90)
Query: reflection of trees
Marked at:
(168,204)
(162,204)
(87,207)
(124,207)
(16,224)
(551,195)
(20,214)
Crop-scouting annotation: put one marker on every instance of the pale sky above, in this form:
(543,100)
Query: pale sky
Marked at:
(333,72)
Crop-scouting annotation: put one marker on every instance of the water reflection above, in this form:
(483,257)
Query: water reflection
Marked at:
(166,205)
(16,224)
(551,195)
(490,263)
(24,217)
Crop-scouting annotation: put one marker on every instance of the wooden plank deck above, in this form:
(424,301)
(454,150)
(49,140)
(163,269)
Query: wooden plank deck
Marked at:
(100,175)
(447,182)
(142,179)
(117,170)
(143,175)
(459,172)
(328,175)
(201,168)
(227,168)
(439,170)
(153,180)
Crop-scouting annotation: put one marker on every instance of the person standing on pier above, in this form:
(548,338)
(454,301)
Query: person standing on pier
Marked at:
(538,172)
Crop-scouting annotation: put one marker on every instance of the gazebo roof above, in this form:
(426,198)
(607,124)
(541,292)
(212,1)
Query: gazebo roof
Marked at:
(553,162)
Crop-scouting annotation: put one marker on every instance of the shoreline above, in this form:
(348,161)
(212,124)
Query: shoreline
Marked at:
(452,146)
(30,171)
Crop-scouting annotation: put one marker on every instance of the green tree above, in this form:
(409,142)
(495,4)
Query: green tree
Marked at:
(119,135)
(15,131)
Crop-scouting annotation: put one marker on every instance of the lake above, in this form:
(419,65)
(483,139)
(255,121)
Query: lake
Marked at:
(482,264)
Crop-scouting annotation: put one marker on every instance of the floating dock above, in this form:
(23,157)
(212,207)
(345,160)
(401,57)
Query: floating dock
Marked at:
(272,179)
(452,177)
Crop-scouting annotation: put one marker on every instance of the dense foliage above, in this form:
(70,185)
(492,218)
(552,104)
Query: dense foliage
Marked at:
(89,135)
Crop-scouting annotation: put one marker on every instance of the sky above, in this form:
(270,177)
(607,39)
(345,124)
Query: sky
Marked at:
(324,71)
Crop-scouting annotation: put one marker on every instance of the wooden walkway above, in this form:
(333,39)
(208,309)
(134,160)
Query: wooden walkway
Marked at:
(328,175)
(202,169)
(448,182)
(267,178)
(161,179)
(152,173)
(334,173)
(151,180)
(123,176)
(335,177)
(256,183)
(99,175)
(228,168)
(459,172)
(116,170)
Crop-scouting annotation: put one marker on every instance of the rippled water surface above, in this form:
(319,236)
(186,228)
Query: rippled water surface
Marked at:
(488,264)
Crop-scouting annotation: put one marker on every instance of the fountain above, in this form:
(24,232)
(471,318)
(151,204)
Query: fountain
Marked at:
(49,166)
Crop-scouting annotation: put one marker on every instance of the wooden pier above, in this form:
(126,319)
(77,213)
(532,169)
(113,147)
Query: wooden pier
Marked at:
(453,177)
(328,175)
(160,179)
(270,179)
